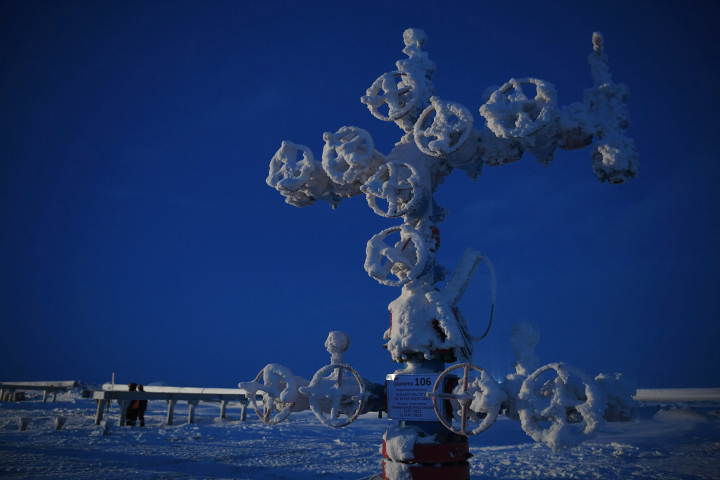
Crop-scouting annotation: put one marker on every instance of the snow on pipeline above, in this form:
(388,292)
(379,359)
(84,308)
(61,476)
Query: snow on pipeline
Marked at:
(668,441)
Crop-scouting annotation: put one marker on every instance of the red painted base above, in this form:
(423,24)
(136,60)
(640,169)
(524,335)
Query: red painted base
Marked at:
(460,471)
(437,452)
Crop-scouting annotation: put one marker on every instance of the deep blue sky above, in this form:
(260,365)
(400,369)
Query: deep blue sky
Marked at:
(138,236)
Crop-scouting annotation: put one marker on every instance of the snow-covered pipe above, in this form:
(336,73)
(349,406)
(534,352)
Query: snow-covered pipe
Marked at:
(678,395)
(108,387)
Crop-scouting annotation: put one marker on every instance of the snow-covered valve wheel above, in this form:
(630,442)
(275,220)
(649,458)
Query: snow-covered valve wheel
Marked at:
(286,173)
(448,131)
(333,396)
(400,100)
(482,396)
(406,259)
(347,153)
(400,184)
(536,405)
(273,376)
(511,114)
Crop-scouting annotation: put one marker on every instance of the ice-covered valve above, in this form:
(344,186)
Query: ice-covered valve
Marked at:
(400,100)
(554,401)
(327,391)
(279,389)
(481,396)
(399,184)
(449,130)
(400,261)
(337,343)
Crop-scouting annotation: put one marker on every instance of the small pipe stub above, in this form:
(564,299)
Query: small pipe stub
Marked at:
(337,343)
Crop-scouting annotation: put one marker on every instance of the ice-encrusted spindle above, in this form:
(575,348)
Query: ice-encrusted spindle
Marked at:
(337,343)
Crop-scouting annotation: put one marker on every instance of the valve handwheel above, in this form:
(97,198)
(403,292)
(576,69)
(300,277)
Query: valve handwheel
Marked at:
(346,153)
(511,114)
(286,173)
(315,391)
(556,406)
(271,392)
(464,399)
(400,101)
(397,256)
(392,182)
(450,128)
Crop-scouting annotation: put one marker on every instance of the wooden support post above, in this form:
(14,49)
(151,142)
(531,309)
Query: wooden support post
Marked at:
(44,395)
(54,396)
(171,407)
(191,410)
(2,394)
(123,412)
(100,408)
(243,412)
(12,395)
(223,406)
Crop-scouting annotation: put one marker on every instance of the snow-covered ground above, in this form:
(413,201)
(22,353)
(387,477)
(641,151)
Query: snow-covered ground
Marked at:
(678,441)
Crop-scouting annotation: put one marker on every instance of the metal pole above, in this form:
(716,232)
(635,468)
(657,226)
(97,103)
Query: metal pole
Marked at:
(99,414)
(171,407)
(191,410)
(123,412)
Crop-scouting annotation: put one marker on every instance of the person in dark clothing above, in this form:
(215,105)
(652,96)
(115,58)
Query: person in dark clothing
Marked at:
(131,414)
(142,406)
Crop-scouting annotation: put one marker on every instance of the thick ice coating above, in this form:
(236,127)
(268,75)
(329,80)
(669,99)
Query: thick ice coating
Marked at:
(554,405)
(428,321)
(574,403)
(448,131)
(396,470)
(511,114)
(399,443)
(279,389)
(487,398)
(349,156)
(337,343)
(327,393)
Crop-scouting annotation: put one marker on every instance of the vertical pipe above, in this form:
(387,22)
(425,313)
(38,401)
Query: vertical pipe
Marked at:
(191,410)
(100,408)
(123,412)
(171,407)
